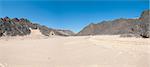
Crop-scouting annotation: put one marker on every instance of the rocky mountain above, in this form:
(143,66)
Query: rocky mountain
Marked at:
(22,27)
(139,27)
(136,27)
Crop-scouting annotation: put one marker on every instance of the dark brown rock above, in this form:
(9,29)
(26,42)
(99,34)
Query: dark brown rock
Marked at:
(145,19)
(138,27)
(115,27)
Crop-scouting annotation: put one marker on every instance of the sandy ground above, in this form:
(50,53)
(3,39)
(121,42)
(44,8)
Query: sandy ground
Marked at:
(79,51)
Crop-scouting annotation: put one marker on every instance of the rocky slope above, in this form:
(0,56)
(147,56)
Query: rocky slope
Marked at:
(145,19)
(22,27)
(66,32)
(135,27)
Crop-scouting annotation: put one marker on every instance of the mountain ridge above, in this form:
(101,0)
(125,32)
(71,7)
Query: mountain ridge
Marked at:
(138,27)
(22,27)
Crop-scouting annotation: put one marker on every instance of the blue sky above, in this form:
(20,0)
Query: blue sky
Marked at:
(73,15)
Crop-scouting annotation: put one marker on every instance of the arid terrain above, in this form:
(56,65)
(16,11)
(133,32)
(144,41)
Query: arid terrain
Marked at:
(74,33)
(74,51)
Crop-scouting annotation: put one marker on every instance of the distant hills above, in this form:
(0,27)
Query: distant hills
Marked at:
(139,27)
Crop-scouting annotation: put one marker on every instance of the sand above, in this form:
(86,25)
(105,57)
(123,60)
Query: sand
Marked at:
(74,51)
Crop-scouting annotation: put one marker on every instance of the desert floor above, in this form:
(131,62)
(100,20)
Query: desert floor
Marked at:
(79,51)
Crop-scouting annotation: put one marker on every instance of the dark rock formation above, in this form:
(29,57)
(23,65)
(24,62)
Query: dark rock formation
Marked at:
(115,27)
(11,28)
(145,25)
(44,30)
(137,27)
(21,27)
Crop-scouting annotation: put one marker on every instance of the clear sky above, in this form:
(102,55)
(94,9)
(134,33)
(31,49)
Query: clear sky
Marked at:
(73,15)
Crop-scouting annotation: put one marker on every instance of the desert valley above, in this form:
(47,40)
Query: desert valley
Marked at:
(116,43)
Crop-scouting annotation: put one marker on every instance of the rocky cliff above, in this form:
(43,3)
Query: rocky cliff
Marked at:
(137,27)
(145,23)
(22,27)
